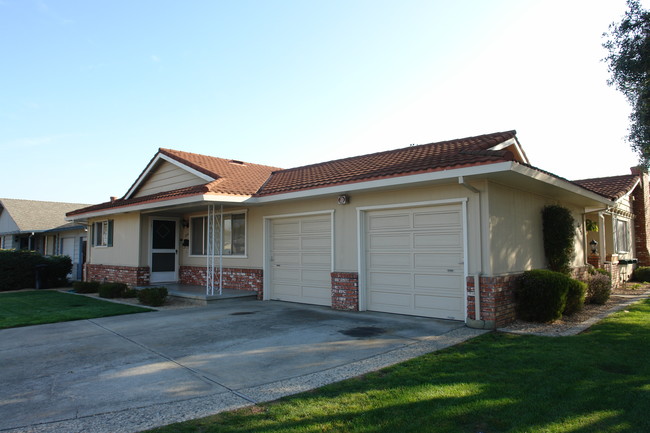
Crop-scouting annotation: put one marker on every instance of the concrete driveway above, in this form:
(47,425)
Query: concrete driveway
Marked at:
(130,373)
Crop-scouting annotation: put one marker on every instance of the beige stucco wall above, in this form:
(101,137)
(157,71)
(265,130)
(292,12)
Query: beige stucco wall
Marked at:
(345,222)
(515,224)
(126,242)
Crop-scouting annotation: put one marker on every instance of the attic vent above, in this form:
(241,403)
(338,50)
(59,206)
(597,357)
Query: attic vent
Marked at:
(234,161)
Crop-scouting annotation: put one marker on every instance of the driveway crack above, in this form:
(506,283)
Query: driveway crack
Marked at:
(196,373)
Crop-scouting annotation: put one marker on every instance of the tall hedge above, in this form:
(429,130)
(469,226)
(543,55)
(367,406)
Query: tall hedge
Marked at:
(559,234)
(18,269)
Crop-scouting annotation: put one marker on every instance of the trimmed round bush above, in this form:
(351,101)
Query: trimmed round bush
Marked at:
(575,299)
(541,295)
(599,289)
(558,227)
(112,290)
(152,296)
(86,286)
(641,274)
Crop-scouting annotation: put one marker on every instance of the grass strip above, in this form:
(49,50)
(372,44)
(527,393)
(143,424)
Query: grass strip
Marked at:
(37,307)
(598,381)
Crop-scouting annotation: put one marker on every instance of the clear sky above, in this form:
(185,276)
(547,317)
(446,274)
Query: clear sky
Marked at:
(89,90)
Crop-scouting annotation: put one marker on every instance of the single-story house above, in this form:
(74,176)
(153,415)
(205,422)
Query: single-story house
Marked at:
(438,230)
(41,226)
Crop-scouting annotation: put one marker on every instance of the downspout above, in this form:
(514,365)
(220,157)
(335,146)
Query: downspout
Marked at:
(221,253)
(477,322)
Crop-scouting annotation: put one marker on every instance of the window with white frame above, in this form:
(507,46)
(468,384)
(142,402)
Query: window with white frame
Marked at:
(103,233)
(622,236)
(234,235)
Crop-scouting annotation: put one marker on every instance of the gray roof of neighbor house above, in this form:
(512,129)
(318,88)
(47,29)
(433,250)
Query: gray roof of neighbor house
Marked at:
(38,216)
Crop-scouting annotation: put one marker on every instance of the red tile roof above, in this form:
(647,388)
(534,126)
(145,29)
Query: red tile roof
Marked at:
(245,179)
(423,158)
(613,187)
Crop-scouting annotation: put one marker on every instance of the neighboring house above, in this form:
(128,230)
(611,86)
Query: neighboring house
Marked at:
(437,230)
(620,235)
(41,226)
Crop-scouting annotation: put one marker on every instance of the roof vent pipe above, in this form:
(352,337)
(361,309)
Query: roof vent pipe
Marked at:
(113,198)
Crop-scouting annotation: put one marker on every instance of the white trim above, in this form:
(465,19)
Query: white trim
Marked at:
(153,163)
(536,174)
(266,245)
(361,239)
(479,170)
(466,262)
(512,142)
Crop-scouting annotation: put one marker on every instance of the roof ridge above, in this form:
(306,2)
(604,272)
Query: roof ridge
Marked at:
(401,149)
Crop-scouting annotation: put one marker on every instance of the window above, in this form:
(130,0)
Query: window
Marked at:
(622,236)
(103,233)
(234,235)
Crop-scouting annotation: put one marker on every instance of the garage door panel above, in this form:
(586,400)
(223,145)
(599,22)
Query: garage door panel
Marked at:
(286,227)
(439,240)
(301,246)
(390,279)
(390,242)
(436,219)
(286,244)
(286,258)
(315,243)
(321,225)
(437,261)
(388,299)
(394,260)
(436,282)
(390,221)
(415,268)
(316,259)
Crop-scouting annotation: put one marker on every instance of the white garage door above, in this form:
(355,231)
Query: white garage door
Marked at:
(415,261)
(301,259)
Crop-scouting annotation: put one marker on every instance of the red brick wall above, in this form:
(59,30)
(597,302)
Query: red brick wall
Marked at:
(497,299)
(131,275)
(345,291)
(233,278)
(641,210)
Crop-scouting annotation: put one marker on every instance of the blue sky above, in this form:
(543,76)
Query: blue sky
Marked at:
(91,89)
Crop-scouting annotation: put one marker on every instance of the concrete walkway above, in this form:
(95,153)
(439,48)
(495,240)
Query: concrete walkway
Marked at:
(131,373)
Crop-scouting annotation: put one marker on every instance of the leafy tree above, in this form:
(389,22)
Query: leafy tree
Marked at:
(629,65)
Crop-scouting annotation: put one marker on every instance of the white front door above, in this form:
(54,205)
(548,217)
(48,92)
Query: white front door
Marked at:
(164,250)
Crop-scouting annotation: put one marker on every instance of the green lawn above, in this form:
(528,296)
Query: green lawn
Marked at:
(598,381)
(35,307)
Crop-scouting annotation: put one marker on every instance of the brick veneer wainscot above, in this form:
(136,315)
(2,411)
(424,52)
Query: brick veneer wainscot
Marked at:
(497,299)
(233,278)
(641,210)
(345,291)
(130,275)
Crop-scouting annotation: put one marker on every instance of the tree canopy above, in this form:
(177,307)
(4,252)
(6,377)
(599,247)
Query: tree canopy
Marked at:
(628,43)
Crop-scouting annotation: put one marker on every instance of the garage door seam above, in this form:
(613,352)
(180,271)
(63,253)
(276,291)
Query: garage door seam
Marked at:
(162,355)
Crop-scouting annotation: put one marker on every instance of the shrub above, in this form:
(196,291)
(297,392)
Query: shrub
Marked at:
(641,274)
(130,293)
(575,299)
(86,286)
(599,288)
(559,232)
(58,268)
(153,296)
(541,295)
(112,290)
(602,271)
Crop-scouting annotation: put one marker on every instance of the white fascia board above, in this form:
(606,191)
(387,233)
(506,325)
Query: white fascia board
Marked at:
(393,181)
(511,142)
(560,183)
(153,163)
(161,203)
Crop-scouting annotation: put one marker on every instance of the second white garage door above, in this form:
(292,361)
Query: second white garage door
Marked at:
(415,261)
(301,259)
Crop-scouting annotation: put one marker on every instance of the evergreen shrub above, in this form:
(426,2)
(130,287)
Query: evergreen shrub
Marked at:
(541,295)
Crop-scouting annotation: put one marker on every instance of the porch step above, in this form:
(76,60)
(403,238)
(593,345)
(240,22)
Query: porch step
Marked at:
(197,294)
